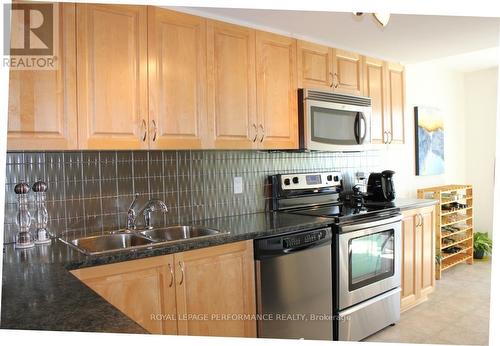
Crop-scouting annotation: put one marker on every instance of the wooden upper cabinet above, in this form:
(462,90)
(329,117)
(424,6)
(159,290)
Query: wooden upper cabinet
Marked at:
(396,95)
(277,91)
(315,65)
(375,84)
(231,86)
(42,103)
(215,281)
(112,76)
(348,72)
(177,79)
(139,289)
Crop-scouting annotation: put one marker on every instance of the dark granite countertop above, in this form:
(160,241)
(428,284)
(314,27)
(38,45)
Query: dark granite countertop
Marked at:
(413,203)
(39,293)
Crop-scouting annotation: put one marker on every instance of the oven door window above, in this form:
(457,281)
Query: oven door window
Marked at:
(371,259)
(333,126)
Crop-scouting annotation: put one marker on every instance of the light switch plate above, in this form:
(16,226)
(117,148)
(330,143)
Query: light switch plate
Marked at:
(238,185)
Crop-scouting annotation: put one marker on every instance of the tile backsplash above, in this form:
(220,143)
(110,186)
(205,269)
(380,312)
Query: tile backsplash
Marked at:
(89,191)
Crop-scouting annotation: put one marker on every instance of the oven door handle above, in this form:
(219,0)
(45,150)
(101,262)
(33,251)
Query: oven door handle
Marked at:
(360,226)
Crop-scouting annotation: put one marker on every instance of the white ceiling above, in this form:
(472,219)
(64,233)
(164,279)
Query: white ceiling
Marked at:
(407,38)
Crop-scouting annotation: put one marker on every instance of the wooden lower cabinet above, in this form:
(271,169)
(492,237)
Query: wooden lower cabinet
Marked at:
(218,282)
(418,256)
(204,292)
(139,289)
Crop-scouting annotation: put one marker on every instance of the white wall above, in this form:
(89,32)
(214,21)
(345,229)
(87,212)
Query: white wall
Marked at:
(468,102)
(481,107)
(429,84)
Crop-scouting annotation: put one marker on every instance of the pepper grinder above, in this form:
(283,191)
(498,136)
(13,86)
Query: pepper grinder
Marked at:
(42,236)
(24,239)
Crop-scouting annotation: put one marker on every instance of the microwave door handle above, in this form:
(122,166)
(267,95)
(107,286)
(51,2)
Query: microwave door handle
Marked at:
(356,128)
(363,123)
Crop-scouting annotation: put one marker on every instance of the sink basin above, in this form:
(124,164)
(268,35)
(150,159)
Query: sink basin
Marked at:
(110,243)
(178,233)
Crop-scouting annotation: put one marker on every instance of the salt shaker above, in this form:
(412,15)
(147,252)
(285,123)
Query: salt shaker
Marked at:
(24,239)
(42,236)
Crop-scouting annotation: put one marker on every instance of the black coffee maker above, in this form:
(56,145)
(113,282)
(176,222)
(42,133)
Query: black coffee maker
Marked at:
(380,187)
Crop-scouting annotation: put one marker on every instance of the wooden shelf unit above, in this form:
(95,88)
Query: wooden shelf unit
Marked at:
(461,218)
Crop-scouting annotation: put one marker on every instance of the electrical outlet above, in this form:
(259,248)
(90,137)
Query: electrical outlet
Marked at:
(360,175)
(238,185)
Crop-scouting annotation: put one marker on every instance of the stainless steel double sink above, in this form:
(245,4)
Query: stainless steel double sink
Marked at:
(140,239)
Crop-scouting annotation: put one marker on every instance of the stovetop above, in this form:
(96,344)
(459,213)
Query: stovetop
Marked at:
(322,194)
(342,213)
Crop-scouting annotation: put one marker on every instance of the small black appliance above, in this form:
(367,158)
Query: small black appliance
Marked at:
(380,187)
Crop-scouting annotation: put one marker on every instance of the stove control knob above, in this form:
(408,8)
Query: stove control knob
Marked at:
(295,180)
(329,177)
(336,178)
(287,181)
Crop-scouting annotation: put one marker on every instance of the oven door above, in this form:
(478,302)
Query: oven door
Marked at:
(332,126)
(369,260)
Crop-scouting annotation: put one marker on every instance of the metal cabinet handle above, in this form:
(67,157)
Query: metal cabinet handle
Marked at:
(331,84)
(144,125)
(154,129)
(384,137)
(171,275)
(337,77)
(390,133)
(256,132)
(420,220)
(263,133)
(182,272)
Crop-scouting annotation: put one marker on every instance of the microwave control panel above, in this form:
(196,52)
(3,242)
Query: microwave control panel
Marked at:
(310,180)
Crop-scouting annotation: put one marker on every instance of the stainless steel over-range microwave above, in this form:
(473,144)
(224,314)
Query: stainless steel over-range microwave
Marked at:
(332,121)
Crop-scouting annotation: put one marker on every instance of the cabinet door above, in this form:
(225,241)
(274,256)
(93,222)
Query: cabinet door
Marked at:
(277,91)
(231,86)
(139,289)
(42,103)
(177,79)
(428,250)
(411,253)
(375,85)
(315,66)
(112,76)
(216,282)
(348,72)
(394,119)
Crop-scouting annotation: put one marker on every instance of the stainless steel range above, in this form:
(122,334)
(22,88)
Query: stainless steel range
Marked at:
(366,249)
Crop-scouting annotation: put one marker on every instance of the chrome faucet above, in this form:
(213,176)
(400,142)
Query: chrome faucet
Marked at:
(152,205)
